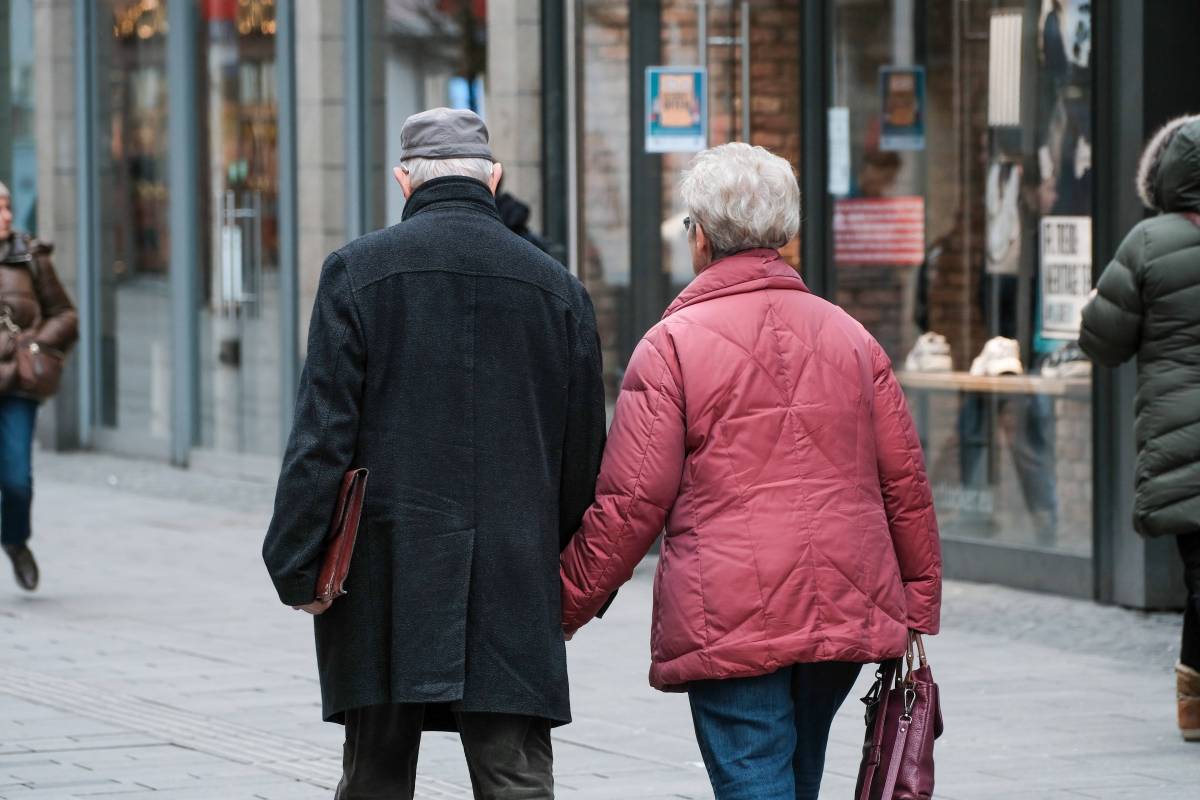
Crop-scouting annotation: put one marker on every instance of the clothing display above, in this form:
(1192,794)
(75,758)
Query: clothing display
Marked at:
(1003,219)
(1000,356)
(1067,361)
(931,353)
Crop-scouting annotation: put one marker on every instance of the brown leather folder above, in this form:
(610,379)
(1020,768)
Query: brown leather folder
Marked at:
(343,530)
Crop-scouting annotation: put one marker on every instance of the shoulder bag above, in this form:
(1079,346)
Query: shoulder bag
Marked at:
(904,717)
(39,368)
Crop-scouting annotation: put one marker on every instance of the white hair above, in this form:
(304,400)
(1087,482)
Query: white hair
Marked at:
(421,170)
(4,190)
(744,197)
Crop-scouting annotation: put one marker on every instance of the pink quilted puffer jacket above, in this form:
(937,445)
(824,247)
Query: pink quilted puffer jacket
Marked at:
(765,428)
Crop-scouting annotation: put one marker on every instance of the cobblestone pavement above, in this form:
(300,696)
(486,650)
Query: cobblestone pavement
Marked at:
(156,662)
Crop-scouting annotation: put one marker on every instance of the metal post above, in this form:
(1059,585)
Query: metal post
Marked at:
(87,242)
(289,350)
(184,215)
(817,221)
(356,119)
(648,284)
(554,127)
(745,71)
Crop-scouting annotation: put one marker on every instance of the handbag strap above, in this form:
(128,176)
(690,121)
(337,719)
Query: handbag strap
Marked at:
(888,674)
(893,773)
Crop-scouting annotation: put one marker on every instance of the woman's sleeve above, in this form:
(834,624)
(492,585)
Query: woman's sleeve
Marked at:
(60,321)
(1111,331)
(639,480)
(907,499)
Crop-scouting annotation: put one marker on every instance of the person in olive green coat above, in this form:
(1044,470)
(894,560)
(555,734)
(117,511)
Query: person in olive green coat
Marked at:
(1147,304)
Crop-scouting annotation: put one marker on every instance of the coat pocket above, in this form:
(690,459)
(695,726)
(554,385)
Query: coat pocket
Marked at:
(431,584)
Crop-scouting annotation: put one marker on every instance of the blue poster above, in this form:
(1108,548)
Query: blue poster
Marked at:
(903,96)
(676,109)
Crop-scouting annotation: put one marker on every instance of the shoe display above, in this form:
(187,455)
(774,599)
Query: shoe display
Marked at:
(1000,356)
(1187,692)
(1069,361)
(931,353)
(25,569)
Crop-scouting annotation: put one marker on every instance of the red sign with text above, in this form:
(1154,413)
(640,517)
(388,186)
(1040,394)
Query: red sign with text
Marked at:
(879,231)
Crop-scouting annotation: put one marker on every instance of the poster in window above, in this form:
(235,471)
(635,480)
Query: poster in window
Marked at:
(903,97)
(676,110)
(1066,274)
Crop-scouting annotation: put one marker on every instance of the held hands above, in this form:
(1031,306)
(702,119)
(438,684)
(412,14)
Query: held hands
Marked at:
(316,607)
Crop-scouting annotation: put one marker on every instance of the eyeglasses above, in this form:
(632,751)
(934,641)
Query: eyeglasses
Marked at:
(687,224)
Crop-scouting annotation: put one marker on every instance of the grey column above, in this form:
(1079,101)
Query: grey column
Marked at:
(87,246)
(817,220)
(184,219)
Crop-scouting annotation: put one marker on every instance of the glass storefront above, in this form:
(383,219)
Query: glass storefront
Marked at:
(132,393)
(239,301)
(961,183)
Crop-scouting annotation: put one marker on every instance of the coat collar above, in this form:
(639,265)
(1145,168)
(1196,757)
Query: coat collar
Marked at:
(15,250)
(453,191)
(747,271)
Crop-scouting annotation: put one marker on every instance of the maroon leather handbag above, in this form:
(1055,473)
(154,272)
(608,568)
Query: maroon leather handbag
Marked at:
(904,716)
(343,531)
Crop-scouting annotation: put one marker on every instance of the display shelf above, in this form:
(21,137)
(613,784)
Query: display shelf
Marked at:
(1003,384)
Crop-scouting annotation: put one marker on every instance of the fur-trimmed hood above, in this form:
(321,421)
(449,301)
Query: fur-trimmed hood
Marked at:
(1168,176)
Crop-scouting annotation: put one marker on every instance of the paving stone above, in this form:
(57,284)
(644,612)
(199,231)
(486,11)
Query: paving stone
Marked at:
(155,662)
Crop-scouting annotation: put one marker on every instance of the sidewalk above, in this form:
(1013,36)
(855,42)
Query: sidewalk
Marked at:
(155,662)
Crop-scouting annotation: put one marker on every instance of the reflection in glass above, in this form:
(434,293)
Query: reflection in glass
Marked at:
(239,302)
(133,307)
(969,140)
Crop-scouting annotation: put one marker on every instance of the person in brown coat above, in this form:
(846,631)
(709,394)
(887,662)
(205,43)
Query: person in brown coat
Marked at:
(38,324)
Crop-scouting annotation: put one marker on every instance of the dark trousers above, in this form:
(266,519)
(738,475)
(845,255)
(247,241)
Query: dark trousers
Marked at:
(764,738)
(509,757)
(18,417)
(1189,548)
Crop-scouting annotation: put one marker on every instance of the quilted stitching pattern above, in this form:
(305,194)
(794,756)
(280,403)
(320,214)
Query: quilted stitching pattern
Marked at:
(805,527)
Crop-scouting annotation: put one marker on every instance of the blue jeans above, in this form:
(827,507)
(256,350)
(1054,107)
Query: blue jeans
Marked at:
(764,738)
(18,417)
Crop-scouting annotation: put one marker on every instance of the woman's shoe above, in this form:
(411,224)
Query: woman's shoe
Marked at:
(26,569)
(1187,685)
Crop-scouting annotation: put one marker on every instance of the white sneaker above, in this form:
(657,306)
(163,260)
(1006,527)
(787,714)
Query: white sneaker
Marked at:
(931,353)
(999,356)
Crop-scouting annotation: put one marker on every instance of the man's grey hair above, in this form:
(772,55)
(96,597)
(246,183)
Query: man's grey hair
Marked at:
(4,190)
(422,170)
(744,197)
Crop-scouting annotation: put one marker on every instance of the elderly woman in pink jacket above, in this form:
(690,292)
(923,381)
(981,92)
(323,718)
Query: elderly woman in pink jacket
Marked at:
(762,427)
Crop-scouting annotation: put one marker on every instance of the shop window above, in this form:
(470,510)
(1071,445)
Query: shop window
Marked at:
(961,174)
(133,305)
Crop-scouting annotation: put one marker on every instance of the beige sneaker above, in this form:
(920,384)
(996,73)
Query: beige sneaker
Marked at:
(1187,692)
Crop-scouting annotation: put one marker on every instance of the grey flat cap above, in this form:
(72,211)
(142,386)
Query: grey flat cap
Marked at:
(444,133)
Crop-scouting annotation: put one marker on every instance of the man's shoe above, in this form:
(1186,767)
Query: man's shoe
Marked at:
(24,567)
(1187,685)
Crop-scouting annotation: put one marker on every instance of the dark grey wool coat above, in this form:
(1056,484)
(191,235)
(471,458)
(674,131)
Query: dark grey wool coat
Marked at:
(461,366)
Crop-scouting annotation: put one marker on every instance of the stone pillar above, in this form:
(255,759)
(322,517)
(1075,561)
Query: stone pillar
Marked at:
(321,153)
(54,123)
(514,103)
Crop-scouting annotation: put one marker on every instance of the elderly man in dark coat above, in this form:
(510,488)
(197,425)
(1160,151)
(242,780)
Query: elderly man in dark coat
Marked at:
(461,366)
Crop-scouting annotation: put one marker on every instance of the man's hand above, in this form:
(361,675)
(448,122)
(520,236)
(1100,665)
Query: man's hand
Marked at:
(316,607)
